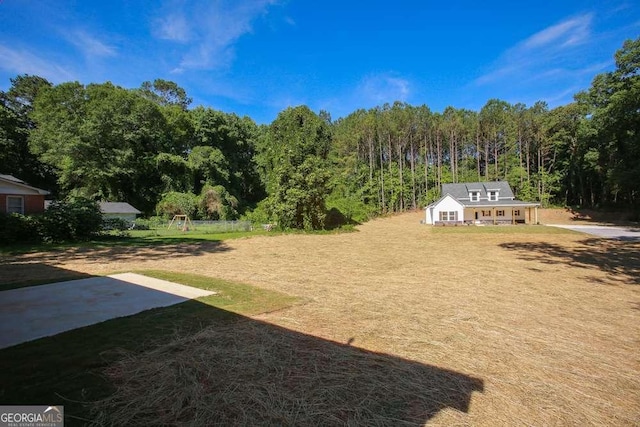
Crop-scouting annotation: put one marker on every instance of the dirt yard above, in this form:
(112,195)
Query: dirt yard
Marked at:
(548,320)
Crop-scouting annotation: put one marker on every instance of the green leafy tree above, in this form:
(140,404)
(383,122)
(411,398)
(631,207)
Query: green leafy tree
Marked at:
(16,106)
(165,93)
(217,203)
(102,140)
(294,159)
(614,106)
(175,203)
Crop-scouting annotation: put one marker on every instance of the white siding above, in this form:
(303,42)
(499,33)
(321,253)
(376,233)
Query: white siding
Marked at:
(126,216)
(446,204)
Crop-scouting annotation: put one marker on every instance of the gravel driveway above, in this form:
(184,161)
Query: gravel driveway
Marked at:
(607,232)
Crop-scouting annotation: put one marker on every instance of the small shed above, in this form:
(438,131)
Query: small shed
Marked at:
(120,210)
(16,196)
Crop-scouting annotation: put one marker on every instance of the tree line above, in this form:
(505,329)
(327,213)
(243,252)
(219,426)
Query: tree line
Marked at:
(147,146)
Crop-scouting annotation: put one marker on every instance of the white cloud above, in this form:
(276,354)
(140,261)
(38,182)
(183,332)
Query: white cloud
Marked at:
(211,30)
(569,32)
(385,87)
(89,45)
(173,27)
(542,52)
(25,62)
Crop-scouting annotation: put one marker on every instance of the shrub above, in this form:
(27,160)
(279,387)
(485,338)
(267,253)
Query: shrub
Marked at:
(259,215)
(17,228)
(175,203)
(119,225)
(216,203)
(148,224)
(71,220)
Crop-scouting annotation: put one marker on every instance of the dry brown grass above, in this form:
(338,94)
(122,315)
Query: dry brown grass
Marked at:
(584,216)
(548,322)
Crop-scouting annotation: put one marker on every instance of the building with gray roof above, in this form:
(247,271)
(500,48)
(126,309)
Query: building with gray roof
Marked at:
(491,202)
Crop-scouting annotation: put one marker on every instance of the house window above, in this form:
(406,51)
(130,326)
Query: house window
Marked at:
(448,216)
(516,212)
(486,213)
(474,196)
(493,195)
(500,212)
(15,204)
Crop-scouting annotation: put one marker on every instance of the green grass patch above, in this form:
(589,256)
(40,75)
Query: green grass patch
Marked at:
(501,229)
(65,369)
(136,238)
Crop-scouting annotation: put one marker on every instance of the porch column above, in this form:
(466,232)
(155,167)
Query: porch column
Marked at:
(536,210)
(513,218)
(493,214)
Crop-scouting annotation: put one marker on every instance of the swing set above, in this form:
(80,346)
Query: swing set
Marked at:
(182,223)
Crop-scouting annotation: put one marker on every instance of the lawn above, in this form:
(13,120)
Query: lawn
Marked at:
(481,325)
(133,238)
(67,369)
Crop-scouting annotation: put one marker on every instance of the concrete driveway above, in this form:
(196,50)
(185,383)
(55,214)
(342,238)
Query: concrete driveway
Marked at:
(39,311)
(605,231)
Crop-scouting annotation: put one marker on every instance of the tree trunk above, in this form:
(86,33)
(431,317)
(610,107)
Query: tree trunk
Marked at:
(413,173)
(439,154)
(426,165)
(400,176)
(478,156)
(382,195)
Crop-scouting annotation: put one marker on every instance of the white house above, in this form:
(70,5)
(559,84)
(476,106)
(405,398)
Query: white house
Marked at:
(119,210)
(480,203)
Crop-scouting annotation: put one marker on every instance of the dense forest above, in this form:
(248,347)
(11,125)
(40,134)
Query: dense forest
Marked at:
(148,146)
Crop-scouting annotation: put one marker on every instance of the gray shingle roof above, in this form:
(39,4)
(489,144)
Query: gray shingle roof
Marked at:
(16,181)
(460,192)
(12,178)
(118,208)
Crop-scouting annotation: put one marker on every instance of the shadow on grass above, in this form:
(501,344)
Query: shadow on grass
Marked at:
(584,215)
(14,268)
(621,259)
(15,275)
(196,363)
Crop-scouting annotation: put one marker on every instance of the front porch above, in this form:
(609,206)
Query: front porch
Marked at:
(501,215)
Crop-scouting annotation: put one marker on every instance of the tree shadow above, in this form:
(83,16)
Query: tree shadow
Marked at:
(621,259)
(586,216)
(13,268)
(336,219)
(195,363)
(14,275)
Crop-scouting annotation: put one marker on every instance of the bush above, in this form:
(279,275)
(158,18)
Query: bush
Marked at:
(148,224)
(348,210)
(259,215)
(216,203)
(71,220)
(119,225)
(175,203)
(17,228)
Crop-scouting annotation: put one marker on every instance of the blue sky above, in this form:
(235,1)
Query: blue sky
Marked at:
(257,57)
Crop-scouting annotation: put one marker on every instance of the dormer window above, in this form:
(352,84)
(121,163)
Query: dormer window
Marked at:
(493,195)
(474,196)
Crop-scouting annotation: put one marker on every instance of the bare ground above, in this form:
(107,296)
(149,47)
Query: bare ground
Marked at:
(549,322)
